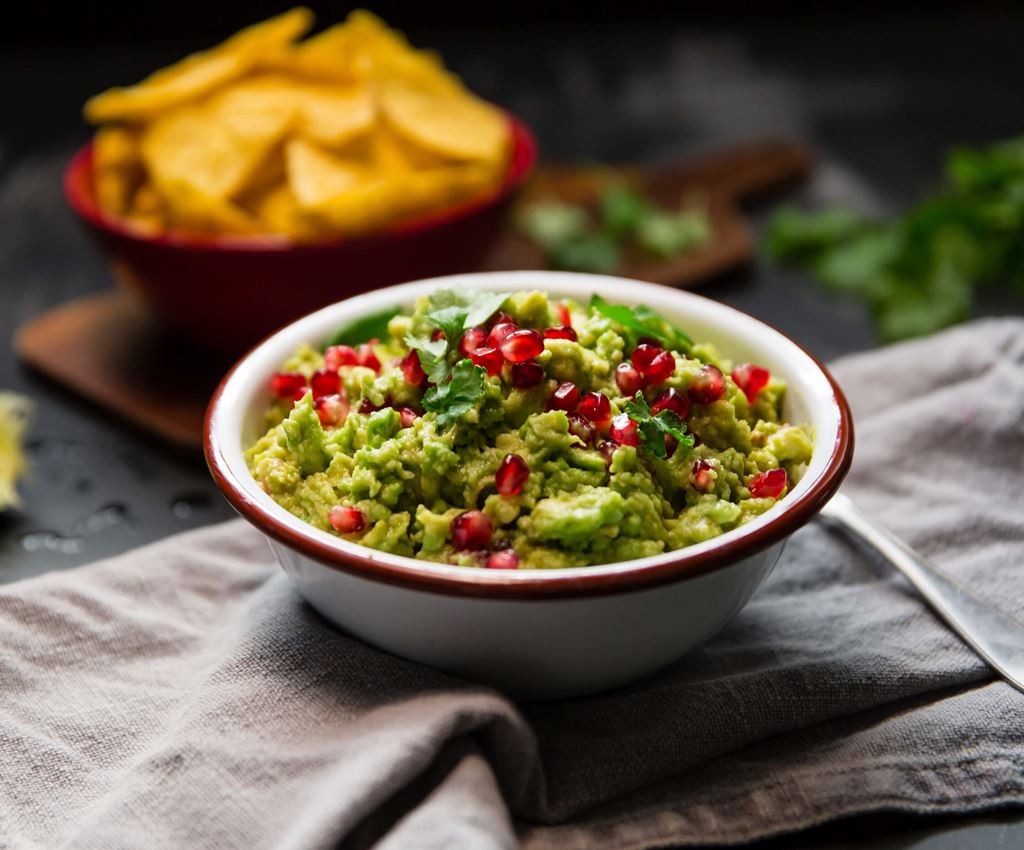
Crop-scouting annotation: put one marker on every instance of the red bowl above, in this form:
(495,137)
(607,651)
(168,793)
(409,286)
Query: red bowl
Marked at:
(227,292)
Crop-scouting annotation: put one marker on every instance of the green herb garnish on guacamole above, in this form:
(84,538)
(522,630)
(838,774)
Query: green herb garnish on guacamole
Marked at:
(505,431)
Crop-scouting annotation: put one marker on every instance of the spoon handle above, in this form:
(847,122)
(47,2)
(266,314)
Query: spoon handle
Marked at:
(995,637)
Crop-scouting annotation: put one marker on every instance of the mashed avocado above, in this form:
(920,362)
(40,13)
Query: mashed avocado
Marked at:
(513,431)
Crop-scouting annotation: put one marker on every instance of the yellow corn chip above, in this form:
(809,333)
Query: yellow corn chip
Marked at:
(199,74)
(217,146)
(392,153)
(333,116)
(147,208)
(381,54)
(378,202)
(315,176)
(117,168)
(279,210)
(457,126)
(347,132)
(190,210)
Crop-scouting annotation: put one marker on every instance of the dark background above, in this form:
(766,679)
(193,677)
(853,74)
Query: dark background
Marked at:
(881,92)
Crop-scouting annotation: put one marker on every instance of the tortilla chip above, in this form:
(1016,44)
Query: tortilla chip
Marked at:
(117,168)
(279,210)
(461,127)
(199,74)
(216,147)
(190,210)
(315,176)
(333,116)
(381,201)
(146,210)
(347,132)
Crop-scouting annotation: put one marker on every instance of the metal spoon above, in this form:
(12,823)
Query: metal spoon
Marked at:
(997,639)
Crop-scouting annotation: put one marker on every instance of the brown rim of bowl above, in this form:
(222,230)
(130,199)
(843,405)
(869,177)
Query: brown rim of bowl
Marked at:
(522,161)
(538,584)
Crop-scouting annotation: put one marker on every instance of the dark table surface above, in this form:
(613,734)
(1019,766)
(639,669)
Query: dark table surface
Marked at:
(881,104)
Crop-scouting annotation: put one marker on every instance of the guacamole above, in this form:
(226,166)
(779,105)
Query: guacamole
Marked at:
(516,431)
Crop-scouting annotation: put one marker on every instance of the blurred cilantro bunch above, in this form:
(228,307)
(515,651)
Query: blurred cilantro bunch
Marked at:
(918,273)
(573,240)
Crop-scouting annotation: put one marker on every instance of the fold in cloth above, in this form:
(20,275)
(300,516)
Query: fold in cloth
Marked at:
(183,695)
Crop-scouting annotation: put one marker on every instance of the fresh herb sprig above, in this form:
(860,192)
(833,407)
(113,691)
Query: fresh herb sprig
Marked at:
(574,240)
(456,389)
(654,428)
(640,322)
(454,399)
(918,273)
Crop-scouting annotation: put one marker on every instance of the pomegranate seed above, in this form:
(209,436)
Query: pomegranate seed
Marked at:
(471,340)
(366,357)
(366,406)
(526,375)
(595,407)
(561,332)
(624,431)
(672,400)
(768,485)
(407,416)
(489,358)
(671,444)
(564,316)
(501,318)
(579,427)
(751,379)
(628,379)
(511,475)
(471,530)
(499,332)
(324,382)
(701,475)
(332,409)
(522,345)
(340,355)
(708,386)
(504,559)
(437,334)
(660,368)
(412,369)
(643,354)
(290,385)
(607,449)
(346,520)
(565,397)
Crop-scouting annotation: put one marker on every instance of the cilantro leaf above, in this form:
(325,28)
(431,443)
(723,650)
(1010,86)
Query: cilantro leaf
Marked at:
(623,210)
(596,253)
(577,238)
(451,320)
(666,235)
(654,428)
(452,311)
(641,321)
(918,272)
(552,223)
(432,354)
(453,400)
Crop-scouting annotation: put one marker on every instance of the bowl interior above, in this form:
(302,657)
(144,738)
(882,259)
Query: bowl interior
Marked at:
(79,190)
(235,416)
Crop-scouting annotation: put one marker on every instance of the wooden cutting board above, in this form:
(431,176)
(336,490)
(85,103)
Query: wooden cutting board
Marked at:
(109,349)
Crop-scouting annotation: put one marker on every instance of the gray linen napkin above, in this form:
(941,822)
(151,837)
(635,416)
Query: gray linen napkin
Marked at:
(182,694)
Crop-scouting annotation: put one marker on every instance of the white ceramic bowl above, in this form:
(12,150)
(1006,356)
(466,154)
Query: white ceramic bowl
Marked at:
(537,633)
